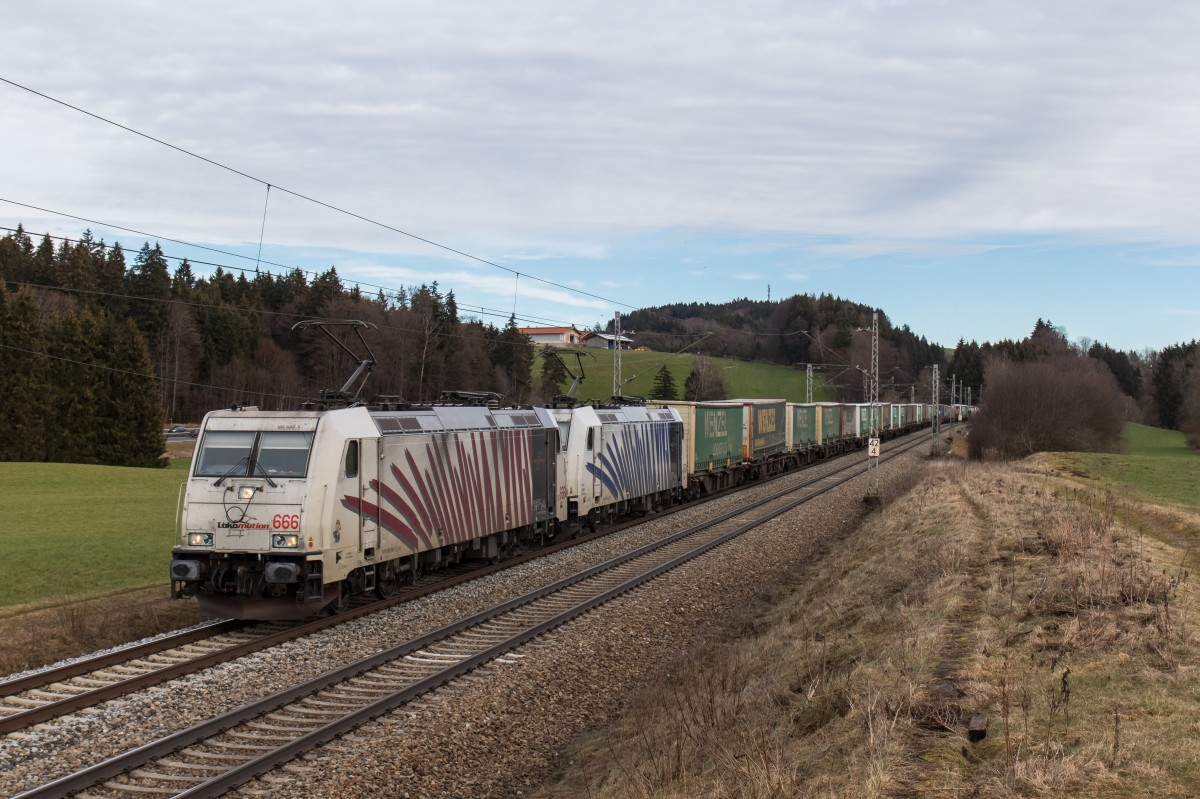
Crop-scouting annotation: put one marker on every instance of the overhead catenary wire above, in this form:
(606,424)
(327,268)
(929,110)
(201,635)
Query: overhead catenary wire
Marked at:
(216,306)
(360,283)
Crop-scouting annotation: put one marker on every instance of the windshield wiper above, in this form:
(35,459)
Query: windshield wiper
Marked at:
(232,469)
(259,467)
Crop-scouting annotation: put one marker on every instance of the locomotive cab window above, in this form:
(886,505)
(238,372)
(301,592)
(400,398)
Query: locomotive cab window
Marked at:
(283,454)
(224,452)
(245,453)
(564,431)
(352,459)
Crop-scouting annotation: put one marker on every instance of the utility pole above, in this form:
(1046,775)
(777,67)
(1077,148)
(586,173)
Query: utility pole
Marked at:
(808,390)
(617,384)
(935,448)
(873,448)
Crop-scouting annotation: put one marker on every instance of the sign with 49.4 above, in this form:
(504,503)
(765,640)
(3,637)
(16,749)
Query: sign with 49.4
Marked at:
(285,521)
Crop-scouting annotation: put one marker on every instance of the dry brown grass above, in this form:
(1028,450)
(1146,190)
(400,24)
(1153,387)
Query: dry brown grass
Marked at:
(180,449)
(35,636)
(984,590)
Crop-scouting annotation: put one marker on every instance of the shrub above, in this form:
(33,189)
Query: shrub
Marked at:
(1056,404)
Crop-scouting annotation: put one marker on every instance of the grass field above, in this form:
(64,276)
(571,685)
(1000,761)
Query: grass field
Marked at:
(746,379)
(72,530)
(1157,464)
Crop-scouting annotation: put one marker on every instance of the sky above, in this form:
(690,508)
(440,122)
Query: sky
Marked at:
(967,167)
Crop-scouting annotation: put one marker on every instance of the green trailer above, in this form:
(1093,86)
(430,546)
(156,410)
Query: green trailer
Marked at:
(829,422)
(859,416)
(803,423)
(713,433)
(764,427)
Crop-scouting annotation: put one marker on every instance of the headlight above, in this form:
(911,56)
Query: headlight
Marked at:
(246,493)
(285,540)
(200,539)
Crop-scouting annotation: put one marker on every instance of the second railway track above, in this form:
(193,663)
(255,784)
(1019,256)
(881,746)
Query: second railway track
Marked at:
(231,749)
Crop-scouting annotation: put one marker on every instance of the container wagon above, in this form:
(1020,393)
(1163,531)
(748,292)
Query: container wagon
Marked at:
(712,444)
(764,428)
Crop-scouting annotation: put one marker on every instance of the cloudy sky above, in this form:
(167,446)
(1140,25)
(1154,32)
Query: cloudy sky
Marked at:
(968,167)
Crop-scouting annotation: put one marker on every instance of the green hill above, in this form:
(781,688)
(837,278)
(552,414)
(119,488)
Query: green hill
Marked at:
(746,378)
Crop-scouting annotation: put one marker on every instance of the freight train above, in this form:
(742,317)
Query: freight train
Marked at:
(289,513)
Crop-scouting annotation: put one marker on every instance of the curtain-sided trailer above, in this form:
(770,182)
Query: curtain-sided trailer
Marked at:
(713,440)
(764,431)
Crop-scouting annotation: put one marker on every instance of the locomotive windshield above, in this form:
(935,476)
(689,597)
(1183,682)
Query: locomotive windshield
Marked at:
(245,453)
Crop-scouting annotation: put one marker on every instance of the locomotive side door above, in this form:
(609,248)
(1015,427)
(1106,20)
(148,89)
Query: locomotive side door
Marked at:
(357,529)
(369,473)
(592,455)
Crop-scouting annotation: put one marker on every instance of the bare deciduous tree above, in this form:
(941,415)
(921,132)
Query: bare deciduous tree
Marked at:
(705,382)
(1059,403)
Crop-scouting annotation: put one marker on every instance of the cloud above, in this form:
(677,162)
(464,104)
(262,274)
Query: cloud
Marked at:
(927,119)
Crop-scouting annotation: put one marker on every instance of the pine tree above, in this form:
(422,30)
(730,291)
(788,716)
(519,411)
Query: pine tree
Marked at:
(77,267)
(664,385)
(150,279)
(114,282)
(72,428)
(129,409)
(23,375)
(553,374)
(184,281)
(512,355)
(42,272)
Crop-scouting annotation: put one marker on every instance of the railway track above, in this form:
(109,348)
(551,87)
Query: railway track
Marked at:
(234,748)
(83,683)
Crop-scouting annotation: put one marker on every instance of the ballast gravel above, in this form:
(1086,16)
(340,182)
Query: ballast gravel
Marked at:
(496,733)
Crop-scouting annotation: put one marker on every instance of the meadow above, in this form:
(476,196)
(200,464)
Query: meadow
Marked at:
(746,378)
(72,530)
(1157,465)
